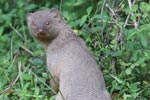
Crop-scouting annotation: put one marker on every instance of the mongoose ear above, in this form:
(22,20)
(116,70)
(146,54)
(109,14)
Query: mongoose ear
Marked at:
(55,13)
(29,17)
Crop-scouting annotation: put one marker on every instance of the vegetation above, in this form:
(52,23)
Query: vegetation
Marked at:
(117,32)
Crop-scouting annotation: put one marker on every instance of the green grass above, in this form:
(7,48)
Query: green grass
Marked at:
(117,36)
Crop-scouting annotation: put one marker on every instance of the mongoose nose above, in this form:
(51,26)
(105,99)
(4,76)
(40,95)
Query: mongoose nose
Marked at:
(40,31)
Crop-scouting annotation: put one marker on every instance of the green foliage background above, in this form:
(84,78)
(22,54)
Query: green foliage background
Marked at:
(117,32)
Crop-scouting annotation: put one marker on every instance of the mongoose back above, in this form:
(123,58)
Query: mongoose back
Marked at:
(73,67)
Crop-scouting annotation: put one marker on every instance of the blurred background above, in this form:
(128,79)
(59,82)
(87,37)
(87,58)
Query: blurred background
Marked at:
(117,33)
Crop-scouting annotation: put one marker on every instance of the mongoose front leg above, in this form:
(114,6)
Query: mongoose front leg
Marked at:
(54,83)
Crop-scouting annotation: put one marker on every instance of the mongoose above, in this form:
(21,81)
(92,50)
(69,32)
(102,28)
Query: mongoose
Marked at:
(71,64)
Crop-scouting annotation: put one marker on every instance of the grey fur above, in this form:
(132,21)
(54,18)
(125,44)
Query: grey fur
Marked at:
(71,64)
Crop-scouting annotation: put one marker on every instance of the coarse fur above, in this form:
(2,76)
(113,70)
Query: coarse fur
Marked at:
(73,67)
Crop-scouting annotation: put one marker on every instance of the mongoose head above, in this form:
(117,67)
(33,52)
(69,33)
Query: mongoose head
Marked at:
(43,25)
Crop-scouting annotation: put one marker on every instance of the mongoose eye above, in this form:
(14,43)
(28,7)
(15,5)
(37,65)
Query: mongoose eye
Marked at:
(48,23)
(33,24)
